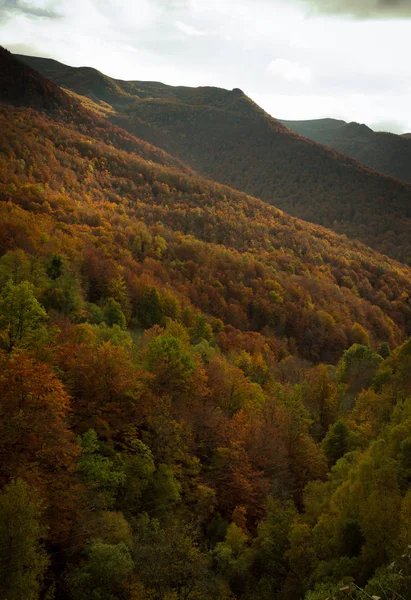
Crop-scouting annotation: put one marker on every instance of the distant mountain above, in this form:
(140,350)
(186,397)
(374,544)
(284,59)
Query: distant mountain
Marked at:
(387,153)
(225,136)
(21,85)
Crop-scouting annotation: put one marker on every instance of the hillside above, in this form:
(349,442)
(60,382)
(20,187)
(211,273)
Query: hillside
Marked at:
(22,85)
(93,182)
(225,136)
(202,397)
(387,153)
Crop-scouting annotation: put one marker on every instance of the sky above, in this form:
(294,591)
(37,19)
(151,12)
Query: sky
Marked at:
(298,59)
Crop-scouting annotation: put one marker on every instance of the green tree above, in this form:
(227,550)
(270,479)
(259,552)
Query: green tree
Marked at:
(171,365)
(163,491)
(170,562)
(105,573)
(113,315)
(149,310)
(20,312)
(201,330)
(271,546)
(138,469)
(357,370)
(234,557)
(23,560)
(302,559)
(101,475)
(19,266)
(384,350)
(55,266)
(63,294)
(338,441)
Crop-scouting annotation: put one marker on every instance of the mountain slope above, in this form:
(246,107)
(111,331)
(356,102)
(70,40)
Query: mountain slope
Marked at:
(163,429)
(387,153)
(248,263)
(225,136)
(22,85)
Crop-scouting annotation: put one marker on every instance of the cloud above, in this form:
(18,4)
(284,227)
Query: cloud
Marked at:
(390,126)
(298,62)
(188,29)
(39,9)
(368,9)
(289,70)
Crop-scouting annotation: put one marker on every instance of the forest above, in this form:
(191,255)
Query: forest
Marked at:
(225,136)
(201,397)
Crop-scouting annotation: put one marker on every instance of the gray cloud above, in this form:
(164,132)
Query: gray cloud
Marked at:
(10,8)
(372,9)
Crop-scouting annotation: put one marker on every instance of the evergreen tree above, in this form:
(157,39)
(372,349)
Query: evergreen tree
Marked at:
(337,442)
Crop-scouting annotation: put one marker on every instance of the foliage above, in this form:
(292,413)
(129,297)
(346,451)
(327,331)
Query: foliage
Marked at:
(23,560)
(200,396)
(20,313)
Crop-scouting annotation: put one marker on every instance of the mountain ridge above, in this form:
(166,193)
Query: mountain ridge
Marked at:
(385,152)
(233,141)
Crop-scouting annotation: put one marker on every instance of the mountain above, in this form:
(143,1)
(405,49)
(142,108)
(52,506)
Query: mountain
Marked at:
(22,85)
(110,171)
(387,153)
(225,136)
(202,397)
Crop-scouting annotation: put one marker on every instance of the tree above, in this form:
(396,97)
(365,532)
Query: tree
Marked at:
(36,441)
(359,335)
(55,266)
(149,310)
(113,315)
(138,470)
(104,574)
(23,561)
(357,369)
(338,441)
(163,491)
(103,381)
(63,294)
(20,312)
(117,289)
(301,560)
(320,397)
(234,557)
(18,266)
(100,474)
(170,363)
(170,562)
(271,547)
(201,330)
(384,350)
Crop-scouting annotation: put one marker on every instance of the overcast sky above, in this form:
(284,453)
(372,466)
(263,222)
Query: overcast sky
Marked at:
(298,59)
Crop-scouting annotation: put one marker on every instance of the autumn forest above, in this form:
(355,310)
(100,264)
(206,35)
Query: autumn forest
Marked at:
(202,396)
